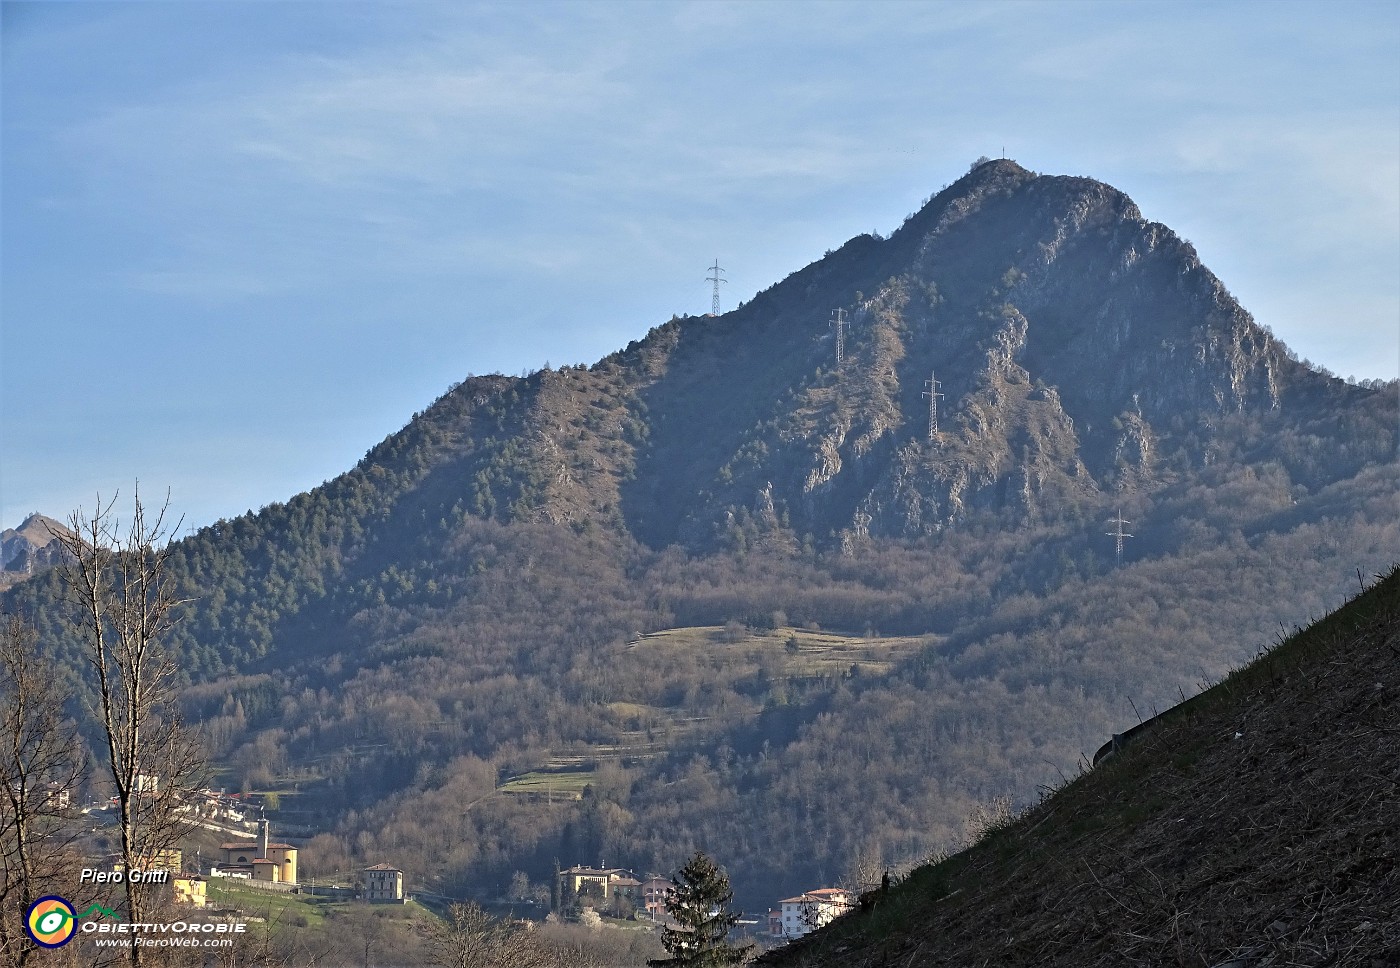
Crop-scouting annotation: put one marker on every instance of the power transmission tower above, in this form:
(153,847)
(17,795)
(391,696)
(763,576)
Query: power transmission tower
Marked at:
(715,277)
(1118,534)
(838,323)
(933,383)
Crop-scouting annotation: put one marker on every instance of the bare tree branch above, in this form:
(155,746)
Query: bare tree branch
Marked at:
(471,938)
(118,581)
(41,763)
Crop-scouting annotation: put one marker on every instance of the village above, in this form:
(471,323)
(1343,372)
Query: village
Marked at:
(251,862)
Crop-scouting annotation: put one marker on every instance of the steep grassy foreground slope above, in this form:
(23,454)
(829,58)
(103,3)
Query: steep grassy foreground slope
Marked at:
(1257,824)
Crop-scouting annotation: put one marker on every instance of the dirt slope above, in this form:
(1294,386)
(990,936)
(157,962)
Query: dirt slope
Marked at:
(1257,825)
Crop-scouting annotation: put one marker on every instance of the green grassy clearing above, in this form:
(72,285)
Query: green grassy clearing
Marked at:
(798,652)
(300,910)
(563,784)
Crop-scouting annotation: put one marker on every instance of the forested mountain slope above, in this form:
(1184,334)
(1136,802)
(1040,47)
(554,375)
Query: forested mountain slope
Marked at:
(466,606)
(1253,825)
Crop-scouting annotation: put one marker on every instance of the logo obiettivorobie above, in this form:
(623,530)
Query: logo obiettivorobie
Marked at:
(51,922)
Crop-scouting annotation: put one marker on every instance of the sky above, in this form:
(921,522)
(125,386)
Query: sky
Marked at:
(242,242)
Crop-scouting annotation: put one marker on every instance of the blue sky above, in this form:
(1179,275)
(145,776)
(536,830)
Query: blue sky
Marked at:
(242,242)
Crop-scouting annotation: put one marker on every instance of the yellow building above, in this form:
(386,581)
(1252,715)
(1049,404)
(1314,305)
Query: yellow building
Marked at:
(190,890)
(261,860)
(606,883)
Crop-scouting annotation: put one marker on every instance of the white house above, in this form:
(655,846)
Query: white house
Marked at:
(805,913)
(382,884)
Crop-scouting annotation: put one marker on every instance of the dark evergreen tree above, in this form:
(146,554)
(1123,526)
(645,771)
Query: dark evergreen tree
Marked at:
(700,906)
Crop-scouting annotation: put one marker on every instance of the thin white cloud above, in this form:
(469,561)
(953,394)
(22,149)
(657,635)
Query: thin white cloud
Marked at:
(419,124)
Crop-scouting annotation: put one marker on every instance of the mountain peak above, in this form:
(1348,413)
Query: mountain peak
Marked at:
(996,168)
(999,176)
(37,528)
(1082,353)
(32,545)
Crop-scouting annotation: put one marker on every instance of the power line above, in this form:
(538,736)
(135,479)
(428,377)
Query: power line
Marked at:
(716,278)
(838,323)
(1118,534)
(933,383)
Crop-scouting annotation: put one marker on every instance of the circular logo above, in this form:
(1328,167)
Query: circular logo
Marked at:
(51,922)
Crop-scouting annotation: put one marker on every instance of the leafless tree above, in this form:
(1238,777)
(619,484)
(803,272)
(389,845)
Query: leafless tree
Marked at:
(41,762)
(471,938)
(864,868)
(986,819)
(118,582)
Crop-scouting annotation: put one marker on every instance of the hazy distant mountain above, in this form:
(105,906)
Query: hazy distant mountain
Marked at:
(32,546)
(875,626)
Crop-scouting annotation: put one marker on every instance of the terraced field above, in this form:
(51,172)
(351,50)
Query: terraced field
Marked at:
(671,684)
(550,783)
(800,653)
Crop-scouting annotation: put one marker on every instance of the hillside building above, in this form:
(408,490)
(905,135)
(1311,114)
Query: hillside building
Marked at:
(382,884)
(603,883)
(806,912)
(654,892)
(260,860)
(57,796)
(170,859)
(191,891)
